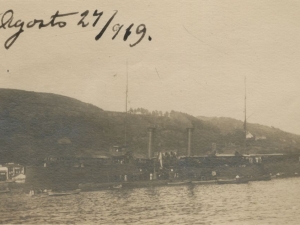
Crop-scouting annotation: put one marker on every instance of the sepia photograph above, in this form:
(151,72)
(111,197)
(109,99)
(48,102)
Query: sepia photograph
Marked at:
(150,112)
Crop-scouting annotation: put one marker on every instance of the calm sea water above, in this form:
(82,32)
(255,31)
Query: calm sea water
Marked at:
(268,202)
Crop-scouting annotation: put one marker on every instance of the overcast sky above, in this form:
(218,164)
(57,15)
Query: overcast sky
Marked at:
(196,62)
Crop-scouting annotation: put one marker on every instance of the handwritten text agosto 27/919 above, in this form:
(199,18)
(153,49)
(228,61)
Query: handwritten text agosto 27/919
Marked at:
(7,22)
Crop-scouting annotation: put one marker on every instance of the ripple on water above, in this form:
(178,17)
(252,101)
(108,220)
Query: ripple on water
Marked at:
(271,202)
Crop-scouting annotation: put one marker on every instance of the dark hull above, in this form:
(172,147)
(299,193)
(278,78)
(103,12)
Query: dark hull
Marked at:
(105,177)
(233,181)
(116,185)
(4,191)
(51,193)
(179,182)
(203,182)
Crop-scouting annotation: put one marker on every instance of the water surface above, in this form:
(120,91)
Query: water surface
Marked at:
(266,202)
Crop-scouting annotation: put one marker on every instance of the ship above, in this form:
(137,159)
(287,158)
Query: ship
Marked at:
(124,168)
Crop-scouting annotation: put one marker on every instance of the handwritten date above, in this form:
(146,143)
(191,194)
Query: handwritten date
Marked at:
(56,20)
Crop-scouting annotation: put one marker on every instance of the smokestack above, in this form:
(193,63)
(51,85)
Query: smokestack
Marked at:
(150,131)
(190,130)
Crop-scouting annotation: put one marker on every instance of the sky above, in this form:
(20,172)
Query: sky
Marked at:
(196,62)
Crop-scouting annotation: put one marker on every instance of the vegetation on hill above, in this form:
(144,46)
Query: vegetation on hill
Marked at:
(260,139)
(40,125)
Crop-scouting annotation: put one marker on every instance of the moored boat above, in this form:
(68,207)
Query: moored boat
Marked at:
(118,186)
(53,193)
(4,191)
(204,182)
(179,182)
(226,181)
(233,181)
(10,181)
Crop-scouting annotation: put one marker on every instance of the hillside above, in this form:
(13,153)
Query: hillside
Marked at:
(39,125)
(260,139)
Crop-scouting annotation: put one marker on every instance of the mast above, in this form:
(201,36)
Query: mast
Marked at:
(245,121)
(126,101)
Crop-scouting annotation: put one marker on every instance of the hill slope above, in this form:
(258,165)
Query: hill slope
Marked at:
(47,125)
(260,139)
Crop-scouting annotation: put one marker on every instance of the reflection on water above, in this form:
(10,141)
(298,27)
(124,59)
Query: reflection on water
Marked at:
(270,202)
